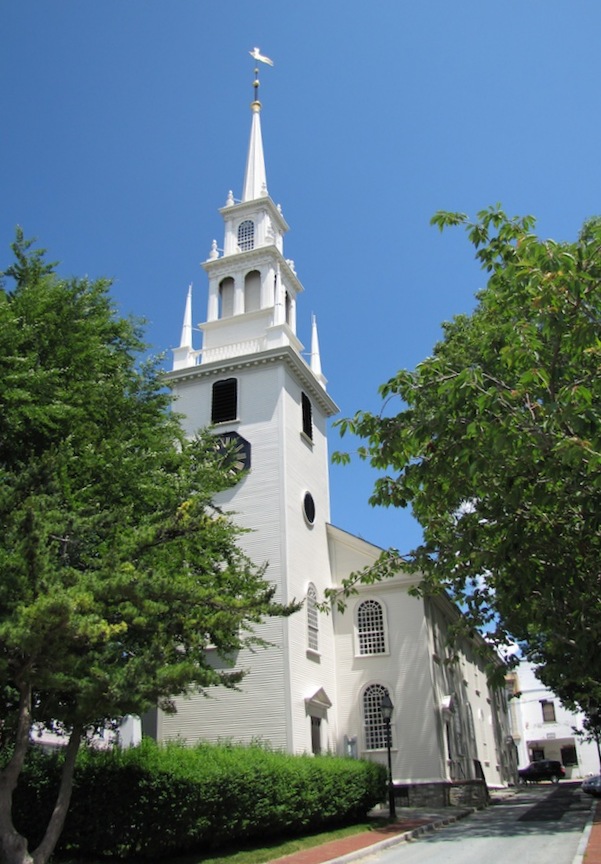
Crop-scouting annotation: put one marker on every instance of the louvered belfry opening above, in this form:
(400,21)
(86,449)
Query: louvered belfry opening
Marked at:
(225,401)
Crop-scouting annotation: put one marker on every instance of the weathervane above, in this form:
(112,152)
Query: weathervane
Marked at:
(260,58)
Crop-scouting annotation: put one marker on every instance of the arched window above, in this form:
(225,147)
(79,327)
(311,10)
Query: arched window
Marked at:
(374,728)
(226,297)
(312,619)
(252,291)
(246,235)
(370,628)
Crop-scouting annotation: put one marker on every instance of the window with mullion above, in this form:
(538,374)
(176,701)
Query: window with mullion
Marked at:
(374,727)
(370,628)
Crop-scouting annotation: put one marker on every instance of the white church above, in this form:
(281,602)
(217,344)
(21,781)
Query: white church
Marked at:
(319,687)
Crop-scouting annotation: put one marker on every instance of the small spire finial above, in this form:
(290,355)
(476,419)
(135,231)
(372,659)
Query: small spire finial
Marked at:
(260,58)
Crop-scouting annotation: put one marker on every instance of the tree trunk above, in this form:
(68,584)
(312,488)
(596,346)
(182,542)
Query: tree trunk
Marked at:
(13,847)
(63,799)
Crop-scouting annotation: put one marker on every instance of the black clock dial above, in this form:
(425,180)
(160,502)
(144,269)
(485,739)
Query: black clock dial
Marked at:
(235,450)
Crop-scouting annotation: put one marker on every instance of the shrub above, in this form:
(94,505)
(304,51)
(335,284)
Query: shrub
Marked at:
(154,801)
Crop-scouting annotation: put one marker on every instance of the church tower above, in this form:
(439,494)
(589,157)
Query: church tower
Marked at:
(251,383)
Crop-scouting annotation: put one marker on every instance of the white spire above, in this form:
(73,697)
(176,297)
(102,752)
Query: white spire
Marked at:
(186,340)
(185,356)
(255,178)
(315,356)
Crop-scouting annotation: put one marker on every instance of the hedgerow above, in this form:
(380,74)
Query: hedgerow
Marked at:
(153,801)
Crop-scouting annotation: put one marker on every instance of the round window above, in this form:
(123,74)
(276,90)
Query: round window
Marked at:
(309,508)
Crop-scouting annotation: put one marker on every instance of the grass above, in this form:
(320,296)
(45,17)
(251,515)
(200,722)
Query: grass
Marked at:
(251,854)
(274,849)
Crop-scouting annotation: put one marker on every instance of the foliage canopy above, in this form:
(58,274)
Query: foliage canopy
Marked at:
(496,446)
(117,569)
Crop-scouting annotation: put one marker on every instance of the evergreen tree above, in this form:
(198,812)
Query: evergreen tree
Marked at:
(117,569)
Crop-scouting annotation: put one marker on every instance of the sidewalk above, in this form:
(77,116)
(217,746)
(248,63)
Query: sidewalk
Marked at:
(589,851)
(410,824)
(415,822)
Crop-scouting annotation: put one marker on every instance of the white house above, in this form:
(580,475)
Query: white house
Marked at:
(320,684)
(544,729)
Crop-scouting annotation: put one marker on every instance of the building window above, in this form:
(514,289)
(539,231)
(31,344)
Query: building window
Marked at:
(370,628)
(569,755)
(307,416)
(312,619)
(246,235)
(548,711)
(373,722)
(316,735)
(309,508)
(224,406)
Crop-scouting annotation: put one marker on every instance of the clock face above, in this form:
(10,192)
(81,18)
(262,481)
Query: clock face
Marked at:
(235,450)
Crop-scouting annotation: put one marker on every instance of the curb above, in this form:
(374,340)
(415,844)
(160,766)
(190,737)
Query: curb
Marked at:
(400,838)
(586,834)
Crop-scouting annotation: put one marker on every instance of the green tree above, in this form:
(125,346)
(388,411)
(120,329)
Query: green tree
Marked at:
(591,730)
(496,446)
(116,568)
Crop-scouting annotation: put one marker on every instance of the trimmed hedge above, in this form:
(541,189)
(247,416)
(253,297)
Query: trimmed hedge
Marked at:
(154,801)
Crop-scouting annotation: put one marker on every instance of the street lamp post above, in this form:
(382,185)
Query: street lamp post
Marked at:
(386,709)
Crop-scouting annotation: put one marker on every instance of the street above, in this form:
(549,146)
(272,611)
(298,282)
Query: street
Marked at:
(536,825)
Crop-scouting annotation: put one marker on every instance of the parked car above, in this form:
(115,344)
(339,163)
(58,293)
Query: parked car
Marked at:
(542,769)
(592,786)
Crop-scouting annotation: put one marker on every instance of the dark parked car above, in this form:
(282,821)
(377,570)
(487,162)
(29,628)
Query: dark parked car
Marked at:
(542,769)
(592,786)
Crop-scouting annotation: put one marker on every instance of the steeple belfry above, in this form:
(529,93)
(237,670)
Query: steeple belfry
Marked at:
(253,288)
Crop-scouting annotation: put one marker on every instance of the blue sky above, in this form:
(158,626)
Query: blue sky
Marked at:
(126,122)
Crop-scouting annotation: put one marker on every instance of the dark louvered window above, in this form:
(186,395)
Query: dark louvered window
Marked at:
(307,416)
(225,401)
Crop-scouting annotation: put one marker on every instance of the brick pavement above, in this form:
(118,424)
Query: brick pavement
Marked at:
(592,853)
(353,846)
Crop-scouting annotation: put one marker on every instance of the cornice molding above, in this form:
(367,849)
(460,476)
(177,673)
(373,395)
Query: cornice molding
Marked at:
(255,205)
(285,355)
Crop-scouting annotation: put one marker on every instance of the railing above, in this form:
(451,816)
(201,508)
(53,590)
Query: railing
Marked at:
(235,349)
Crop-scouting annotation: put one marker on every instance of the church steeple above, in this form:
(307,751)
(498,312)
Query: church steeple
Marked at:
(253,288)
(254,387)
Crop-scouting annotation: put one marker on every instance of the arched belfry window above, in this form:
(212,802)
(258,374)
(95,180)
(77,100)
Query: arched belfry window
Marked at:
(374,728)
(246,235)
(252,291)
(371,635)
(288,309)
(312,619)
(226,297)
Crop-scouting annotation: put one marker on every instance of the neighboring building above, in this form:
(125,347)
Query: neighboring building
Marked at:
(544,729)
(319,685)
